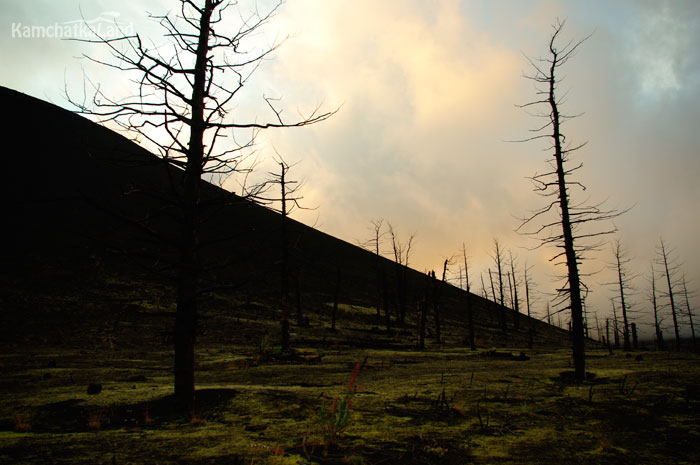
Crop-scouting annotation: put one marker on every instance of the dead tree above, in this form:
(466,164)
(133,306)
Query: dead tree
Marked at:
(483,286)
(670,271)
(516,301)
(560,213)
(374,245)
(510,289)
(623,287)
(655,307)
(470,315)
(437,296)
(616,329)
(402,254)
(498,261)
(529,287)
(690,313)
(289,200)
(185,91)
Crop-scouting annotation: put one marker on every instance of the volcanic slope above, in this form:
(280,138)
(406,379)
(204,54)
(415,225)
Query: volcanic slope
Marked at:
(91,222)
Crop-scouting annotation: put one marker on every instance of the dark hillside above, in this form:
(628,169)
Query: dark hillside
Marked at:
(89,215)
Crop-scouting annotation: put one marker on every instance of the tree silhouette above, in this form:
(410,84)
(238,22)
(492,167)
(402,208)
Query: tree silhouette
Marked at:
(402,254)
(499,261)
(289,200)
(623,287)
(670,273)
(655,307)
(185,92)
(690,312)
(562,220)
(515,299)
(468,303)
(374,246)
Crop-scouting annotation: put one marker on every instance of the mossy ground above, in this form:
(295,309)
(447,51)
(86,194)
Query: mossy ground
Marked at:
(443,405)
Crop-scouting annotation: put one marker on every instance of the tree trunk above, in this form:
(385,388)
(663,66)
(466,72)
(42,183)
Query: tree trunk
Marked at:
(670,296)
(470,315)
(186,313)
(626,332)
(569,250)
(690,314)
(657,327)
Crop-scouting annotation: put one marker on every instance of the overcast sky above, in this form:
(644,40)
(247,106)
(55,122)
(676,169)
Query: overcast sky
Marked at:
(427,92)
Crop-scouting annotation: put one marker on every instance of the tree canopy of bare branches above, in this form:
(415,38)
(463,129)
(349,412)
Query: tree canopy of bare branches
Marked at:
(560,222)
(186,90)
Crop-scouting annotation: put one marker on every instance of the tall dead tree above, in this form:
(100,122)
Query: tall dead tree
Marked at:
(374,245)
(560,213)
(402,254)
(623,287)
(529,287)
(470,315)
(516,301)
(655,308)
(182,105)
(670,270)
(690,313)
(437,296)
(483,286)
(616,329)
(498,261)
(289,200)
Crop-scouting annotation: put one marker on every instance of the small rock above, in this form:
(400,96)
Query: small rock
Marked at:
(94,388)
(520,358)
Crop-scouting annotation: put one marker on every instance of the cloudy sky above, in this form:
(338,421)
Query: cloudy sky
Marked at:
(427,92)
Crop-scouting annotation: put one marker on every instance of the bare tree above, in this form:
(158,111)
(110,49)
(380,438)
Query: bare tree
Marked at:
(374,245)
(623,287)
(670,272)
(655,307)
(516,300)
(437,296)
(560,213)
(470,315)
(402,254)
(616,330)
(690,313)
(493,290)
(289,200)
(529,288)
(186,90)
(498,261)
